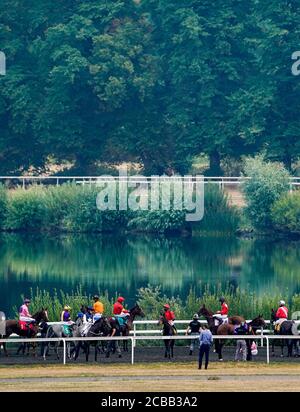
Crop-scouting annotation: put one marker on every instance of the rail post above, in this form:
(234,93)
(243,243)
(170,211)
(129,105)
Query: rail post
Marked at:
(262,337)
(268,350)
(134,333)
(132,350)
(65,351)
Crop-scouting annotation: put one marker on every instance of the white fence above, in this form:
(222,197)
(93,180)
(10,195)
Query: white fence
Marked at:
(148,338)
(222,181)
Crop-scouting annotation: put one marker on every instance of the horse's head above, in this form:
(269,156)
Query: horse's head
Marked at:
(41,316)
(137,311)
(203,311)
(273,315)
(258,322)
(162,319)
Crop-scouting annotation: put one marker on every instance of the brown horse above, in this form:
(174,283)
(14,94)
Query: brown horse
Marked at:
(229,328)
(13,326)
(126,328)
(168,330)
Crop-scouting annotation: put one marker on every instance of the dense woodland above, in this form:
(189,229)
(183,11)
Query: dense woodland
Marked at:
(152,81)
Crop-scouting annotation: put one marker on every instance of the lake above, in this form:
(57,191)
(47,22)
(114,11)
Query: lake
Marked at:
(122,264)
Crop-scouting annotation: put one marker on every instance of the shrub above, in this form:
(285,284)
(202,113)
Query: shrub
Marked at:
(286,212)
(3,205)
(269,181)
(25,209)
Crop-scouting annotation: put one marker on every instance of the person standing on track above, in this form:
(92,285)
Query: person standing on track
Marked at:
(193,330)
(205,341)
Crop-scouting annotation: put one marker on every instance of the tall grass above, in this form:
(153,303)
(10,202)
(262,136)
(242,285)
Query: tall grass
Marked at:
(151,299)
(72,208)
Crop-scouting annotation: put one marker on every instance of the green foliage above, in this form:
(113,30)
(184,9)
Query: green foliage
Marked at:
(151,299)
(244,303)
(72,208)
(191,78)
(268,181)
(25,210)
(219,216)
(286,213)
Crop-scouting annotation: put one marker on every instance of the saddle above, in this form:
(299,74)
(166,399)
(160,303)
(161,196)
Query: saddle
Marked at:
(26,325)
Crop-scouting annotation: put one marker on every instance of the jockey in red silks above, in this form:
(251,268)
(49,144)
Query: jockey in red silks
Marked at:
(118,308)
(170,316)
(281,314)
(222,315)
(120,312)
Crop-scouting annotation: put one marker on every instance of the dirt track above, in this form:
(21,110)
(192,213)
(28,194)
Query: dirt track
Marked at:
(142,354)
(162,377)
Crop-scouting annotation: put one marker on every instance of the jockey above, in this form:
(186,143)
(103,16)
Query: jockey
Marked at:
(24,315)
(118,308)
(120,312)
(281,314)
(170,316)
(222,315)
(98,306)
(65,314)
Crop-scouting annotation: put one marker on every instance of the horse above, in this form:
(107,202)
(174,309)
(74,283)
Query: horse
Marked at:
(232,321)
(13,326)
(126,328)
(287,327)
(229,328)
(58,330)
(168,330)
(100,328)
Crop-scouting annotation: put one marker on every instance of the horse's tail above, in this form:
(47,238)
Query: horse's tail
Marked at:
(294,329)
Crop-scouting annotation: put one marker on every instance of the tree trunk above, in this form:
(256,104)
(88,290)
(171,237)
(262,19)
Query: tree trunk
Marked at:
(214,164)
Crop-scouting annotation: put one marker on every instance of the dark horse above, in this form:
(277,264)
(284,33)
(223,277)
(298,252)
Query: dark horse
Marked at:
(100,328)
(229,328)
(126,328)
(288,327)
(168,330)
(13,326)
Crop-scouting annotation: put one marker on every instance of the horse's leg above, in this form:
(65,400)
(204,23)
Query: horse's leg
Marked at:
(282,347)
(172,348)
(166,348)
(220,350)
(249,354)
(5,350)
(87,351)
(290,348)
(273,347)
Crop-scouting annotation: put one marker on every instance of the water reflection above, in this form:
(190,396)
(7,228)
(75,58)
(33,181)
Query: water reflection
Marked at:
(123,264)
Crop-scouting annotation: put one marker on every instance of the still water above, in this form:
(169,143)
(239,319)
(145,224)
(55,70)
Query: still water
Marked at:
(124,264)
